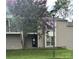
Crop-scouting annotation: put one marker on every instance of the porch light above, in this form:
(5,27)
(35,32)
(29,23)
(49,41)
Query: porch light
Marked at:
(50,33)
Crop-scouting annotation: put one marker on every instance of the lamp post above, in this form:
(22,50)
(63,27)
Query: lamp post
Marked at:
(53,36)
(53,16)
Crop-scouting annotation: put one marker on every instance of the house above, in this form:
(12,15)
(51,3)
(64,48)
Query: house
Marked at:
(43,38)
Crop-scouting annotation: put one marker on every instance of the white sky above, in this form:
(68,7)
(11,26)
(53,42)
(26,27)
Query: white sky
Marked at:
(50,4)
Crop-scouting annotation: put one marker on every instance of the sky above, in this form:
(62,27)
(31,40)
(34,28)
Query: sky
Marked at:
(50,4)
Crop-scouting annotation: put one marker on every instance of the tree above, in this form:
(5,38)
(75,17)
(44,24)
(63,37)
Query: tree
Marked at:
(61,8)
(28,14)
(70,10)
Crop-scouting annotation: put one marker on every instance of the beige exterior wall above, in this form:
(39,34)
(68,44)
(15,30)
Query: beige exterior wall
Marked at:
(64,35)
(40,39)
(13,41)
(28,43)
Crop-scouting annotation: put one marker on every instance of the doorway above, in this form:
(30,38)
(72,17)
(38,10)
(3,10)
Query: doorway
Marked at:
(31,41)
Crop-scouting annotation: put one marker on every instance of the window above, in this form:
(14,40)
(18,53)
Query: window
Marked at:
(49,41)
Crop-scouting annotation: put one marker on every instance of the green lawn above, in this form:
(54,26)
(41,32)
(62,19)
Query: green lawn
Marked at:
(38,54)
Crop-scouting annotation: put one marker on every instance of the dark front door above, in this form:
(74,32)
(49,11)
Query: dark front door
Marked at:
(34,41)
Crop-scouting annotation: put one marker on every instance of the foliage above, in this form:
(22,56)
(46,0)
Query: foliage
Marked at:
(61,8)
(27,14)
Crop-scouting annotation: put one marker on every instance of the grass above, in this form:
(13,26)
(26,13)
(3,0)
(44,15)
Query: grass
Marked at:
(39,54)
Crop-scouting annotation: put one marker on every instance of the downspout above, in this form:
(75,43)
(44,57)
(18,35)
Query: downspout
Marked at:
(9,25)
(22,41)
(43,36)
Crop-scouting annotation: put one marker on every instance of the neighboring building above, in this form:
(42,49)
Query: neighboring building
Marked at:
(63,34)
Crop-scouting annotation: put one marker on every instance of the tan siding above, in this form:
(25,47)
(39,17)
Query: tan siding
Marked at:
(13,42)
(40,39)
(64,35)
(28,43)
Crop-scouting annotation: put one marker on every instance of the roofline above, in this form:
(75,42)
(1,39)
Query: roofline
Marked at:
(56,19)
(20,33)
(13,32)
(32,33)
